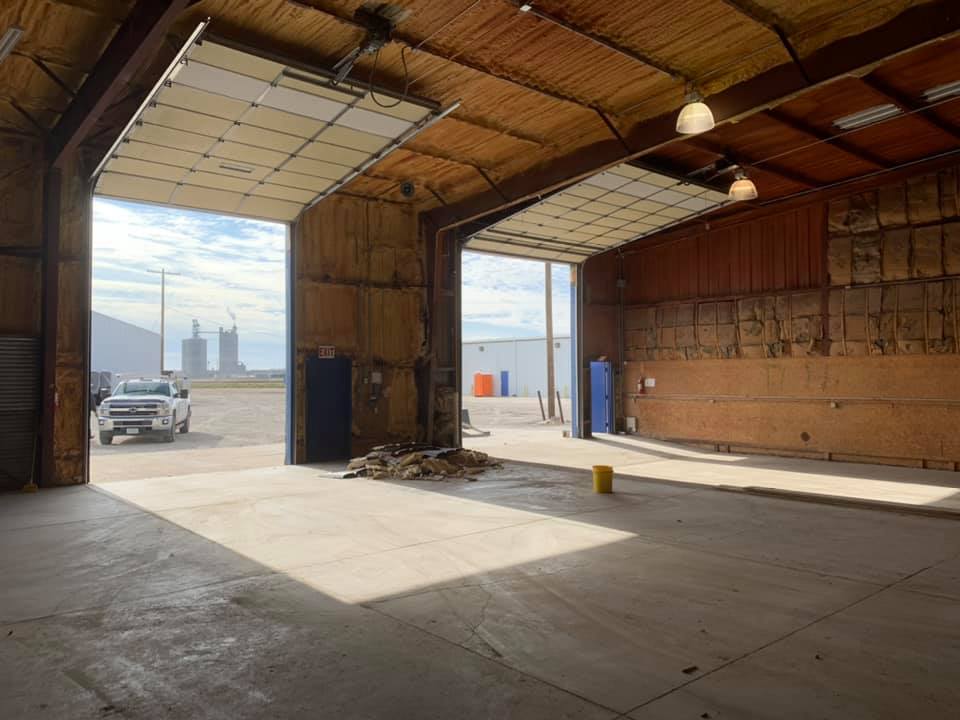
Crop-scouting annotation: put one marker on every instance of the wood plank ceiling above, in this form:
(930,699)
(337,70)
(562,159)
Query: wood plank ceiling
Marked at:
(536,86)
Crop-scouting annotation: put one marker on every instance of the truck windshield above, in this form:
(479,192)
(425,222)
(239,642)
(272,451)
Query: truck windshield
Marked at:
(143,387)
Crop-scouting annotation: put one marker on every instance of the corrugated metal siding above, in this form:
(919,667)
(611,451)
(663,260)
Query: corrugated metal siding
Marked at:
(19,408)
(784,252)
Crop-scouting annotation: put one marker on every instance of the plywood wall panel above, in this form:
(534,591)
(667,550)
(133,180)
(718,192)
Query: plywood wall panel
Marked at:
(868,432)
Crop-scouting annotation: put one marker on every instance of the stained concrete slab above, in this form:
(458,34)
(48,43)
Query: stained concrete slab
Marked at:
(69,504)
(290,592)
(895,655)
(633,456)
(264,649)
(621,623)
(830,540)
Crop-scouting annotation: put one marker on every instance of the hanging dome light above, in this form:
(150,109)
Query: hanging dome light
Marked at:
(695,117)
(742,189)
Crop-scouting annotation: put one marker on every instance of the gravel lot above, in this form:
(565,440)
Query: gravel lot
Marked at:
(222,417)
(494,413)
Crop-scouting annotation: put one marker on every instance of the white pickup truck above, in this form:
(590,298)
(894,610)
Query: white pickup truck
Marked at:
(143,407)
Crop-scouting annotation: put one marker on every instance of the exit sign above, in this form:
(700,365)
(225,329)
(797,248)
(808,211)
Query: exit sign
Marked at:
(326,351)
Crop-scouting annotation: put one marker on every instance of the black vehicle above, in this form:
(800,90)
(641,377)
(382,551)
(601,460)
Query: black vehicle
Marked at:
(101,383)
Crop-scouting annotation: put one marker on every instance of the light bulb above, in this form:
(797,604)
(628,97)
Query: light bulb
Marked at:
(695,117)
(743,189)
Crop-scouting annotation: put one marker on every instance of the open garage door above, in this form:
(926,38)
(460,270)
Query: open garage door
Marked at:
(232,132)
(614,207)
(600,213)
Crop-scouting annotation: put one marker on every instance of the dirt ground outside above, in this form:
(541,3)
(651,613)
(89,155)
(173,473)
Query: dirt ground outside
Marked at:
(234,428)
(230,428)
(494,413)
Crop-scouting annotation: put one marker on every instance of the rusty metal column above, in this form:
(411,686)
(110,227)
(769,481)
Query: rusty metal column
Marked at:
(52,189)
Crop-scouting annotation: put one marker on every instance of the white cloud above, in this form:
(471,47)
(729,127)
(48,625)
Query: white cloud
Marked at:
(239,264)
(504,297)
(223,263)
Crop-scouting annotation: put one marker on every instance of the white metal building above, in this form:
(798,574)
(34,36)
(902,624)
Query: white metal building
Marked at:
(123,348)
(525,359)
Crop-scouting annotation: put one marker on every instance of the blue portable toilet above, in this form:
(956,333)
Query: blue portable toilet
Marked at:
(504,383)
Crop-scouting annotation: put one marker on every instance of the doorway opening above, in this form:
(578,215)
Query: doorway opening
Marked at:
(516,349)
(189,342)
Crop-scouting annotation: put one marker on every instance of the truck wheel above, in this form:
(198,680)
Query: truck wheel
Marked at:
(185,427)
(106,438)
(171,433)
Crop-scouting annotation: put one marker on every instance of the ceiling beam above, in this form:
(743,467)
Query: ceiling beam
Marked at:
(770,21)
(593,37)
(745,161)
(90,7)
(839,143)
(132,47)
(419,46)
(908,104)
(859,54)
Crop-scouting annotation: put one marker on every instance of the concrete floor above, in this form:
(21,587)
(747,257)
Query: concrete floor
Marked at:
(642,458)
(288,592)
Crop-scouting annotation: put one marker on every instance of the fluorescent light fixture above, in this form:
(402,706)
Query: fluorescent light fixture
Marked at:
(742,189)
(942,92)
(695,117)
(868,117)
(9,41)
(526,7)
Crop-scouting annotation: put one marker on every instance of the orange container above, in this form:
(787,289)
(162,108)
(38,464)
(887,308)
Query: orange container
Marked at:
(482,385)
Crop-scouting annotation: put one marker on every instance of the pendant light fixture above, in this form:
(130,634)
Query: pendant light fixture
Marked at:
(695,117)
(742,188)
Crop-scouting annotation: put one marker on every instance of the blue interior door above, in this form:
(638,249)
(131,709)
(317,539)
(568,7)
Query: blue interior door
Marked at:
(601,397)
(329,408)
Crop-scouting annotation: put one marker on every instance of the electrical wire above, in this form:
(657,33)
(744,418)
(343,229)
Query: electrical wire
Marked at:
(406,79)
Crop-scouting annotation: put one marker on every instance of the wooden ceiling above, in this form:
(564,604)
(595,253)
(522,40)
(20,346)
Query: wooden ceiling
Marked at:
(535,89)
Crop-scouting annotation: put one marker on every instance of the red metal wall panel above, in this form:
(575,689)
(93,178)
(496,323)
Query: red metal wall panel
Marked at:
(781,252)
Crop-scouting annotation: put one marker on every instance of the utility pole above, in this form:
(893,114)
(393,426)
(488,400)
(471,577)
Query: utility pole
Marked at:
(162,272)
(551,382)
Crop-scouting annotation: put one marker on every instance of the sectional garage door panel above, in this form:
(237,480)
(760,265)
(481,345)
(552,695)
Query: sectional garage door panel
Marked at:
(611,208)
(231,132)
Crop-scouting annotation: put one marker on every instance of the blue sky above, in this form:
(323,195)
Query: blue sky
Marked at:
(236,264)
(504,297)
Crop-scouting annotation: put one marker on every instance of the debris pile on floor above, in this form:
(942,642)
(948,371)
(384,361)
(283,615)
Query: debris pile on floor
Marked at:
(417,461)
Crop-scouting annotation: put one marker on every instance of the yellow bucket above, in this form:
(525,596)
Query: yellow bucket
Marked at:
(602,479)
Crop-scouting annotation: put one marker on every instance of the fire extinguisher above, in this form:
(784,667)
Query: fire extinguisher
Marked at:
(641,389)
